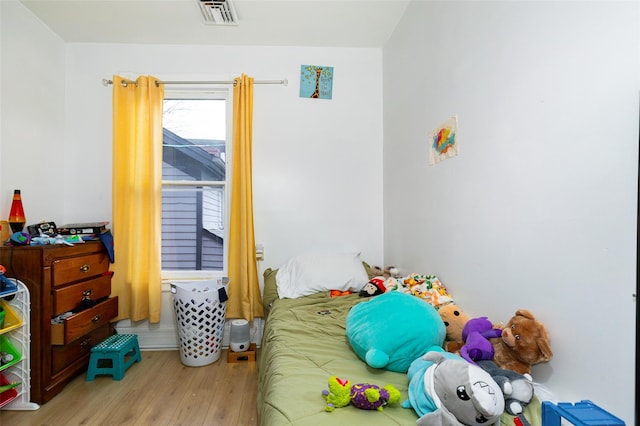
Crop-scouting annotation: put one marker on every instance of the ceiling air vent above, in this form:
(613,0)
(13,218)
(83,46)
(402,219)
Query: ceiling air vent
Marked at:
(218,12)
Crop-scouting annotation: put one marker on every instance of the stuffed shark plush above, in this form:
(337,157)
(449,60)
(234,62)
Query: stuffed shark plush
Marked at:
(446,390)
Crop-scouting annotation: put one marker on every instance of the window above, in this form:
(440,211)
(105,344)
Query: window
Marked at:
(194,180)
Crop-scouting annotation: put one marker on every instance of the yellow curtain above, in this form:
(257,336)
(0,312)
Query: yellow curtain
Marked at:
(137,197)
(244,288)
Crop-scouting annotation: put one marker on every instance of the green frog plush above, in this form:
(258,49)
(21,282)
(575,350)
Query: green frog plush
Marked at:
(365,396)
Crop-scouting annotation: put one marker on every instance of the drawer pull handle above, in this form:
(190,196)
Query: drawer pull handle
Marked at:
(96,318)
(87,293)
(84,268)
(85,344)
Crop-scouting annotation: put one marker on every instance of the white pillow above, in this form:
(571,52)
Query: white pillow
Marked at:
(313,273)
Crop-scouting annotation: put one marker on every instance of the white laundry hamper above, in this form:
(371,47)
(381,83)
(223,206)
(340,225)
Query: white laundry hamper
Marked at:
(200,308)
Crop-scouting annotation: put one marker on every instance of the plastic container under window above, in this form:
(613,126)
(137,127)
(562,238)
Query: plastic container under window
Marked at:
(200,309)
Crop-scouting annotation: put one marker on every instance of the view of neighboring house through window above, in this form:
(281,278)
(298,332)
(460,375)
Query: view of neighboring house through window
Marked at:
(194,204)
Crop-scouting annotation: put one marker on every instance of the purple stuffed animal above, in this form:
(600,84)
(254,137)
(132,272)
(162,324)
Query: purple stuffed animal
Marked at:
(476,334)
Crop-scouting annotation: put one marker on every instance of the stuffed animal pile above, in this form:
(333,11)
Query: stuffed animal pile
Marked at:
(475,351)
(507,353)
(426,287)
(523,342)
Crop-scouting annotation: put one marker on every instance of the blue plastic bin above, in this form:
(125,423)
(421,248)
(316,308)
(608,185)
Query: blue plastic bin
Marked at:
(583,413)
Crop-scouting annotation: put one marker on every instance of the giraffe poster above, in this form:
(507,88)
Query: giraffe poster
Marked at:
(444,141)
(316,82)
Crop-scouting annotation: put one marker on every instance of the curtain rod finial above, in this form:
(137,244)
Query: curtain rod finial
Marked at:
(106,82)
(285,81)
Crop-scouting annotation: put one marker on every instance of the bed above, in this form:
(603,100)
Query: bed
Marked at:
(303,344)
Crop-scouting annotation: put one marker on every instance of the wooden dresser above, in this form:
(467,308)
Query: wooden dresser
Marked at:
(58,278)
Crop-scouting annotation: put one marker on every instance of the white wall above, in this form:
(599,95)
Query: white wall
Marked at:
(317,163)
(31,114)
(538,210)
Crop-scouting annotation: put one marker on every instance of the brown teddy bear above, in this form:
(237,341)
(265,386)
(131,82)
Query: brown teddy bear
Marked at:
(524,342)
(454,320)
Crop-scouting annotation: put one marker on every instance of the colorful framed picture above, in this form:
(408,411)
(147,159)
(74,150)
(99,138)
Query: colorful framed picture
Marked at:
(443,141)
(316,82)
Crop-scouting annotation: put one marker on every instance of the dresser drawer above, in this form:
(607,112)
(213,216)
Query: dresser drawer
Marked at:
(84,322)
(71,269)
(63,356)
(68,298)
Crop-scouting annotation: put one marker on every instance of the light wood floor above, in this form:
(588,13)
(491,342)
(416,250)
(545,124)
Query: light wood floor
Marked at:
(158,391)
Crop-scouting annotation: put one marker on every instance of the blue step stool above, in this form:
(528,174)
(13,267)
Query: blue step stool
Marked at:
(583,413)
(121,349)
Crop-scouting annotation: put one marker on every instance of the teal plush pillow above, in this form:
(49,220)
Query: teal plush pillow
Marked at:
(393,329)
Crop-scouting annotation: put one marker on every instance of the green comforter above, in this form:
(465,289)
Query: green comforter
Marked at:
(303,344)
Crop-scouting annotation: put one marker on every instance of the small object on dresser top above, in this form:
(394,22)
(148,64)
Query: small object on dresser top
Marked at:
(44,240)
(16,214)
(47,228)
(20,239)
(83,228)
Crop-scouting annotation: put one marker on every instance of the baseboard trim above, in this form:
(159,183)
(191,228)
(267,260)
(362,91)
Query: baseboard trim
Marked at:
(159,339)
(151,337)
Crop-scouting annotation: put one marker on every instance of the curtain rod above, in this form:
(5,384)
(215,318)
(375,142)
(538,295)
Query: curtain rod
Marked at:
(284,82)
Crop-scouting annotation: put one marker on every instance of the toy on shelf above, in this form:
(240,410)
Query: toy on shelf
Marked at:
(5,388)
(6,358)
(6,285)
(8,391)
